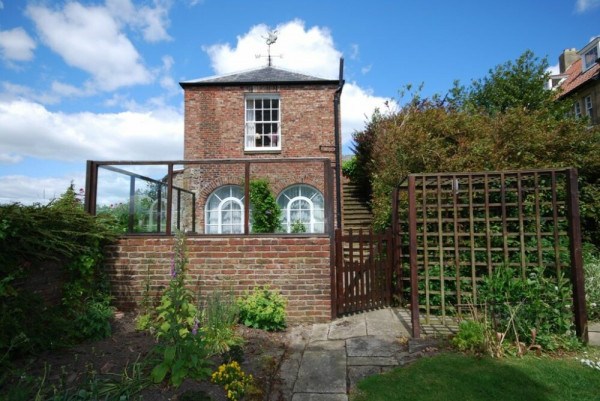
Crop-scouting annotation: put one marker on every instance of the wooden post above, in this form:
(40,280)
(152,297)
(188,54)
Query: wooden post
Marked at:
(169,199)
(576,256)
(414,277)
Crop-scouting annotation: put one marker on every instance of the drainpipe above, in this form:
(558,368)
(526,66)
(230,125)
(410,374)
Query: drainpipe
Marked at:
(338,163)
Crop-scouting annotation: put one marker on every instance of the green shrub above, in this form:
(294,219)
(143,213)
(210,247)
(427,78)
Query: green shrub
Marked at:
(591,272)
(470,337)
(60,233)
(93,321)
(263,309)
(266,213)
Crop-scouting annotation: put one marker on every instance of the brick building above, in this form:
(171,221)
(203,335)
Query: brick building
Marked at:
(268,124)
(579,79)
(262,113)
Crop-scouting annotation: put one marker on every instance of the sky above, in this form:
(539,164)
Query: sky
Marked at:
(99,80)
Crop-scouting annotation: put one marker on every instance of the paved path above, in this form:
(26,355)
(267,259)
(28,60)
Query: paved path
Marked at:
(324,361)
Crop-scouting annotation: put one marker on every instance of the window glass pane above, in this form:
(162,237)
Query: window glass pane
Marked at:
(319,227)
(249,103)
(258,103)
(319,215)
(249,115)
(274,115)
(266,103)
(258,114)
(275,103)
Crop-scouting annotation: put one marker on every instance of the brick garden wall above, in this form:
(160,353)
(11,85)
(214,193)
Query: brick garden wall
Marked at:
(298,267)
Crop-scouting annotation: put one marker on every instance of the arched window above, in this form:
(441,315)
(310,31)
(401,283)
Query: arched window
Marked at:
(302,209)
(225,211)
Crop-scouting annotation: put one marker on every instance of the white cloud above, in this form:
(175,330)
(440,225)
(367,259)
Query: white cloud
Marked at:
(1,5)
(365,70)
(354,54)
(307,50)
(16,45)
(153,22)
(583,6)
(89,38)
(16,91)
(10,158)
(554,69)
(29,129)
(310,51)
(28,190)
(358,106)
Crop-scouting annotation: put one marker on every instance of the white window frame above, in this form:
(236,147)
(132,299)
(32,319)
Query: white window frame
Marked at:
(577,109)
(588,106)
(250,135)
(587,61)
(286,220)
(220,209)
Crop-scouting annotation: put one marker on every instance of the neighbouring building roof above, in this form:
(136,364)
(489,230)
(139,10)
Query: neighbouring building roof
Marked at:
(261,76)
(576,78)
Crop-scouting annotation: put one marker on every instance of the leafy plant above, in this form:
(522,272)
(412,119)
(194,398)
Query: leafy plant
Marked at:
(181,348)
(591,273)
(298,227)
(470,336)
(538,307)
(266,213)
(93,322)
(233,379)
(263,309)
(219,317)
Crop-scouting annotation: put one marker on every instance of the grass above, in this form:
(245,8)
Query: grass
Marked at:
(452,376)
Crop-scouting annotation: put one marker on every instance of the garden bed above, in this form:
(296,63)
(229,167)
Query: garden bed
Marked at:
(72,368)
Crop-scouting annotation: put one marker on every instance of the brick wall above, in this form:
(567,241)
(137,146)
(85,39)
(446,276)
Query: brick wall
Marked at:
(215,127)
(298,267)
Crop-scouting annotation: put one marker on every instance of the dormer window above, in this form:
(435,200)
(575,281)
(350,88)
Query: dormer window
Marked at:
(589,58)
(589,54)
(263,122)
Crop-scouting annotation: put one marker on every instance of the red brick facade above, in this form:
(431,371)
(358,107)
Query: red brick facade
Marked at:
(298,267)
(215,129)
(215,121)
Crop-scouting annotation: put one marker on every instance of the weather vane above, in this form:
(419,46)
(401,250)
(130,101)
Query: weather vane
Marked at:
(270,39)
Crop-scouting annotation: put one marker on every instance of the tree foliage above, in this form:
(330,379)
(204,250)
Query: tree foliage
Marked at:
(494,125)
(519,83)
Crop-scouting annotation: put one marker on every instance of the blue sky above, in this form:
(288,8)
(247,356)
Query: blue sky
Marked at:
(99,79)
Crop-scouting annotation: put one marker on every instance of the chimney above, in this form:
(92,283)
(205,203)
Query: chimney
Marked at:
(568,57)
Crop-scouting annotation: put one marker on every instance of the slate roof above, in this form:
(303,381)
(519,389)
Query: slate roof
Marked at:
(576,77)
(265,75)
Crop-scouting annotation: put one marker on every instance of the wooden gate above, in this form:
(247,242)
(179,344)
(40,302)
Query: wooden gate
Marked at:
(363,270)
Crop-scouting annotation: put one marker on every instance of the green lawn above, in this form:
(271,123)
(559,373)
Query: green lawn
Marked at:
(461,377)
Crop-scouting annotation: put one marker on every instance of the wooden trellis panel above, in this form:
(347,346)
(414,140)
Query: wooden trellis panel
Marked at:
(463,226)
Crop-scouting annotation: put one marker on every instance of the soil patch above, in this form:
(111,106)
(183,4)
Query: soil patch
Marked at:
(70,368)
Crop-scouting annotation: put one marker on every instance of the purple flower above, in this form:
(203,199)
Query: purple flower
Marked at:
(268,212)
(173,273)
(195,329)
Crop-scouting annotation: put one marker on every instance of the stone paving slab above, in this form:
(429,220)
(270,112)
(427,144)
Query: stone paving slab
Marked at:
(319,332)
(348,327)
(372,360)
(322,370)
(372,346)
(383,322)
(357,373)
(319,397)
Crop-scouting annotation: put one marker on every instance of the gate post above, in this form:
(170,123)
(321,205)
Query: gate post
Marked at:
(576,257)
(414,277)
